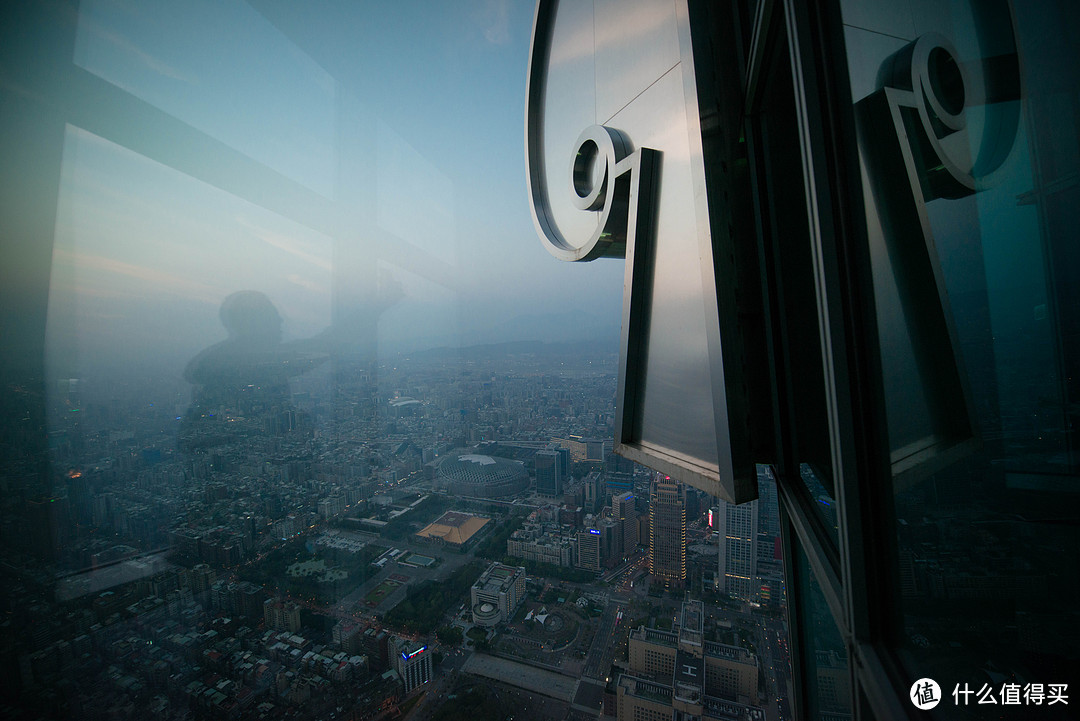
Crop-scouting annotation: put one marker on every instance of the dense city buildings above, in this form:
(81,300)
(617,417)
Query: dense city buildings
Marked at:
(681,672)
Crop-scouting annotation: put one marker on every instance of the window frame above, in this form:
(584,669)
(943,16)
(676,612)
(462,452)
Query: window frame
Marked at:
(856,573)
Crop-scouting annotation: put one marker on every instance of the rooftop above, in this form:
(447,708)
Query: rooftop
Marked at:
(498,578)
(732,653)
(643,688)
(654,635)
(454,528)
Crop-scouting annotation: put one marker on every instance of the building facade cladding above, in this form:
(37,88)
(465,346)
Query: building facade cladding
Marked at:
(738,530)
(503,588)
(901,178)
(479,476)
(667,531)
(652,652)
(639,700)
(731,673)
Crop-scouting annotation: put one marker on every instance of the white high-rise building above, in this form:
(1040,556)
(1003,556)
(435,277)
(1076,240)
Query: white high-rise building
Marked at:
(412,661)
(738,527)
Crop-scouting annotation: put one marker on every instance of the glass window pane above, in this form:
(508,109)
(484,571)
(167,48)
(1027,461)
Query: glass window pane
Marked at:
(271,102)
(804,457)
(967,127)
(312,393)
(828,679)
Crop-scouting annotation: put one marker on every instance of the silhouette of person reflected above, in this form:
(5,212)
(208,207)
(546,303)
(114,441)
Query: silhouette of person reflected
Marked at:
(246,375)
(243,381)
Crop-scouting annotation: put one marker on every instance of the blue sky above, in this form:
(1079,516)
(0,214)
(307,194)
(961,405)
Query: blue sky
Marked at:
(407,117)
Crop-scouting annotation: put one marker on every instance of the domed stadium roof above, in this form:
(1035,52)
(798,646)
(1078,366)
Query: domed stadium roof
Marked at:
(472,474)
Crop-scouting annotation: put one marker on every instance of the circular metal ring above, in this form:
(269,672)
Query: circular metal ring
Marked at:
(940,81)
(591,166)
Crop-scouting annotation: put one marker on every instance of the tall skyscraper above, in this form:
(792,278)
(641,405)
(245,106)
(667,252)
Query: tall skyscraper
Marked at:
(768,518)
(548,474)
(593,491)
(667,531)
(738,527)
(625,515)
(564,460)
(588,549)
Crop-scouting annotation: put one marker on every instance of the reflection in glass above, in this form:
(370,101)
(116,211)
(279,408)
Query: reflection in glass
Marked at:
(987,541)
(234,499)
(281,104)
(827,675)
(803,436)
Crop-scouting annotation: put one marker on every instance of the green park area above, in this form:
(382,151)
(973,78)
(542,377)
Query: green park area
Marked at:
(316,568)
(422,610)
(376,595)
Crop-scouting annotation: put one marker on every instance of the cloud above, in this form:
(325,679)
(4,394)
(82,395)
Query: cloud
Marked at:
(496,22)
(157,278)
(285,243)
(156,64)
(307,284)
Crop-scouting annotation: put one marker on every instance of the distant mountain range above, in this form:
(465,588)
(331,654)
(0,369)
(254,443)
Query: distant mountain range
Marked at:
(487,351)
(555,333)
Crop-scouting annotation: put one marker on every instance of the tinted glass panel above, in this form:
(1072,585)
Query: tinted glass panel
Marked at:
(292,399)
(968,125)
(803,442)
(825,660)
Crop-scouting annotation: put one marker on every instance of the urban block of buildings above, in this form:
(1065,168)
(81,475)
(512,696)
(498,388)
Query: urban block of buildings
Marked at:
(678,673)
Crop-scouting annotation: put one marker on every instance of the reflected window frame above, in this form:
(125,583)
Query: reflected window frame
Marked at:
(855,568)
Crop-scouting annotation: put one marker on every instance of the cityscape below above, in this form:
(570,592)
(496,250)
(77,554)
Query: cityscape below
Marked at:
(421,538)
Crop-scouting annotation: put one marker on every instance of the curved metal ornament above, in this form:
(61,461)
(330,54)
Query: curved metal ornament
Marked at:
(908,133)
(597,161)
(606,80)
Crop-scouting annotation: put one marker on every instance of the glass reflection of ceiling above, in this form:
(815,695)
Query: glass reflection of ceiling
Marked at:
(222,68)
(145,252)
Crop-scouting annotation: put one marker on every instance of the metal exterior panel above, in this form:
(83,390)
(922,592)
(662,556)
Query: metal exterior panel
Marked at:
(619,78)
(637,42)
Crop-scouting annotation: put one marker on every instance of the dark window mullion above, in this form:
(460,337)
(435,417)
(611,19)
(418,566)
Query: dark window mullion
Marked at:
(863,489)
